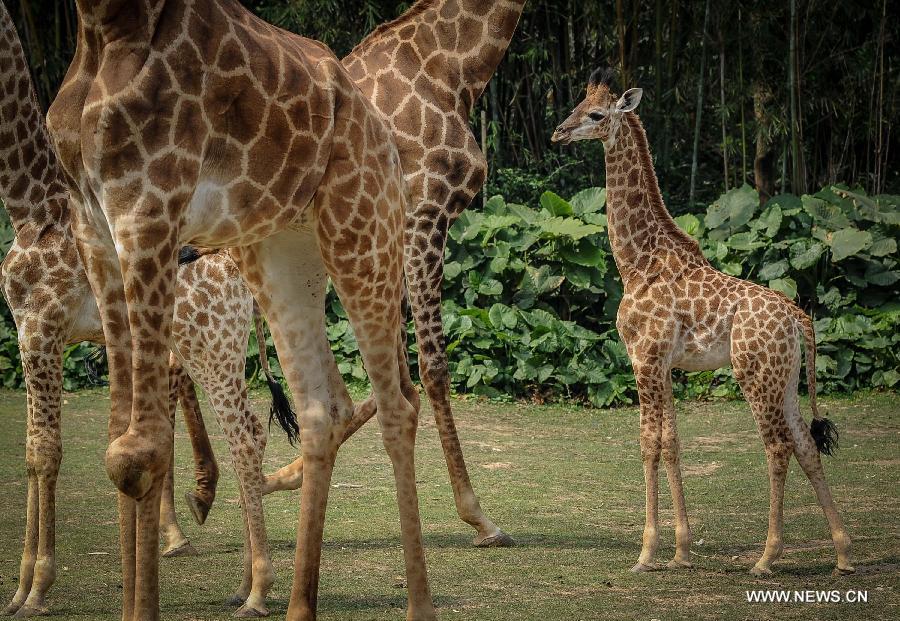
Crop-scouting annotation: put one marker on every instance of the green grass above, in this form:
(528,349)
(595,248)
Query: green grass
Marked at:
(565,482)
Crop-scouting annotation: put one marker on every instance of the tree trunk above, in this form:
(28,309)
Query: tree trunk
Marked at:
(764,163)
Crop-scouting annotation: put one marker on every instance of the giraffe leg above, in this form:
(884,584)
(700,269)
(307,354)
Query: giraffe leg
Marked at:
(778,455)
(237,599)
(206,469)
(652,381)
(398,419)
(220,370)
(286,275)
(29,550)
(176,543)
(808,457)
(135,279)
(425,300)
(671,453)
(764,386)
(43,456)
(290,477)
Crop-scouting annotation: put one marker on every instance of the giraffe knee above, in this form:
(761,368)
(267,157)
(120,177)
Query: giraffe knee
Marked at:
(651,449)
(671,449)
(43,457)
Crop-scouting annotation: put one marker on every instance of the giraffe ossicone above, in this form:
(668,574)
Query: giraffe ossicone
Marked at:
(677,311)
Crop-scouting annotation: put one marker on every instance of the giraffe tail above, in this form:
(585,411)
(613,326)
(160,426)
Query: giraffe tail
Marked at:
(93,364)
(823,431)
(280,411)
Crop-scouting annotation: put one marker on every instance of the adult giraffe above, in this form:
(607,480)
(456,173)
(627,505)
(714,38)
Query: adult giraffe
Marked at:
(46,287)
(183,121)
(423,72)
(680,312)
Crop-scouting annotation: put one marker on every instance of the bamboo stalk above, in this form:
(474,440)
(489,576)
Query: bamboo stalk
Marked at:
(722,111)
(700,84)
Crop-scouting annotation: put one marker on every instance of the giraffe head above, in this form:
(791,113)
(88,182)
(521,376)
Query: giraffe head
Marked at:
(599,114)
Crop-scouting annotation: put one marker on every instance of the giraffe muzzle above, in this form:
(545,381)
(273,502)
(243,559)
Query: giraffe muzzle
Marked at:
(562,135)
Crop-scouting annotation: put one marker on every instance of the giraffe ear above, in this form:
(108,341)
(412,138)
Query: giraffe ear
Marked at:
(629,100)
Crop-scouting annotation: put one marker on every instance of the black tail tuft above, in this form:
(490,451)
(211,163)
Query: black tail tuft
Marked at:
(187,254)
(92,363)
(825,434)
(281,411)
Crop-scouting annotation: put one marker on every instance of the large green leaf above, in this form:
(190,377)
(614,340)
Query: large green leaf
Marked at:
(771,271)
(584,253)
(825,214)
(541,280)
(745,241)
(883,247)
(735,208)
(555,204)
(785,285)
(770,220)
(879,274)
(567,227)
(590,200)
(805,255)
(849,241)
(690,224)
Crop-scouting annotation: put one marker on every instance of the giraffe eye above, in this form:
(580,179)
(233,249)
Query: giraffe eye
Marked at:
(596,116)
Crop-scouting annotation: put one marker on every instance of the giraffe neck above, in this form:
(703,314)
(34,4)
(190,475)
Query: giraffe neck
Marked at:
(472,36)
(641,230)
(129,23)
(31,187)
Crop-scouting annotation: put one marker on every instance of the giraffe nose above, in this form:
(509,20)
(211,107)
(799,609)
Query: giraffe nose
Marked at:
(562,134)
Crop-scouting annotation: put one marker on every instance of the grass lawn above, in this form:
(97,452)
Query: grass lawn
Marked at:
(565,482)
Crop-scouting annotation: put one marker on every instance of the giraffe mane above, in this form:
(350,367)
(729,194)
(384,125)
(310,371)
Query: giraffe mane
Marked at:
(654,195)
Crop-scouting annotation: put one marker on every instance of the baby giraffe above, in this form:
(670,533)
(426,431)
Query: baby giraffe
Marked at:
(679,312)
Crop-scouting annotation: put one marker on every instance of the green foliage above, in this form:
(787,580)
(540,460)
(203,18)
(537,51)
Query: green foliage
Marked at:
(531,293)
(836,253)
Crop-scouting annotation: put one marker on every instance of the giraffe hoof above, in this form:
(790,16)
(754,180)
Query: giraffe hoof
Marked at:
(250,612)
(844,571)
(761,572)
(11,609)
(641,568)
(30,611)
(676,564)
(500,540)
(199,509)
(235,601)
(184,549)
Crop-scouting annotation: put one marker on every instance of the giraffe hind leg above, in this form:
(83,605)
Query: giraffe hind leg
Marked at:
(808,457)
(425,300)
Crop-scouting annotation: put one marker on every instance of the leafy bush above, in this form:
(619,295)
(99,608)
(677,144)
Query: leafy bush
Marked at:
(531,293)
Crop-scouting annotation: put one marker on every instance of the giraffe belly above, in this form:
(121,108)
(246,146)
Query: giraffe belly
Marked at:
(704,354)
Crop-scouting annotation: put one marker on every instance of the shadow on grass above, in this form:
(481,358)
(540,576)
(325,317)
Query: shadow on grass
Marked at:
(462,540)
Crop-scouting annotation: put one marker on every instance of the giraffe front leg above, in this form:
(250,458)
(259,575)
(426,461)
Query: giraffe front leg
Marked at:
(651,382)
(43,376)
(671,451)
(176,543)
